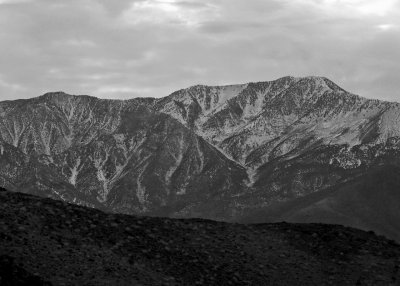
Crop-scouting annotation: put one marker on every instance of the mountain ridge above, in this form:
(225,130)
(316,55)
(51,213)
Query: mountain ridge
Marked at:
(60,92)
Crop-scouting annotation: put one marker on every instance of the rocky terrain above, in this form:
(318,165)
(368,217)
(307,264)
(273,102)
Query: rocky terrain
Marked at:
(219,152)
(49,242)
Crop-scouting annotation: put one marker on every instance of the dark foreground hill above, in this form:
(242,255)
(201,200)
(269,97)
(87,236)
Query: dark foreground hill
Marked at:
(47,242)
(370,201)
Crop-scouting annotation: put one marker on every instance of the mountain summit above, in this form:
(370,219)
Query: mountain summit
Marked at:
(270,114)
(216,152)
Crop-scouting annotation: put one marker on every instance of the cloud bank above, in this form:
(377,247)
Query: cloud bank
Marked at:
(130,48)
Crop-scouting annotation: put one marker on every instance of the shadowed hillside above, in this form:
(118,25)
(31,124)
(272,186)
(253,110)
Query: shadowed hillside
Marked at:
(54,243)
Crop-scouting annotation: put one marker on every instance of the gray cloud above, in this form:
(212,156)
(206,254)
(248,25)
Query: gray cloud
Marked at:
(153,47)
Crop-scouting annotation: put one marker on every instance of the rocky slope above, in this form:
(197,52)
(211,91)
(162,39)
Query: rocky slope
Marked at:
(211,152)
(47,242)
(115,155)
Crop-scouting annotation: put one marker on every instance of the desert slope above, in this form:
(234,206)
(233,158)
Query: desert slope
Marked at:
(48,242)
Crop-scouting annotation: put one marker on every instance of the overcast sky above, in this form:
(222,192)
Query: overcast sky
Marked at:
(130,48)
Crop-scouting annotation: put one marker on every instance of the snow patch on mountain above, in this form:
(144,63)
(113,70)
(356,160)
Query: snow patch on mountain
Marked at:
(75,170)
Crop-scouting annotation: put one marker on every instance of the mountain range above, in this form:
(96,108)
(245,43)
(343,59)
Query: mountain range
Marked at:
(296,149)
